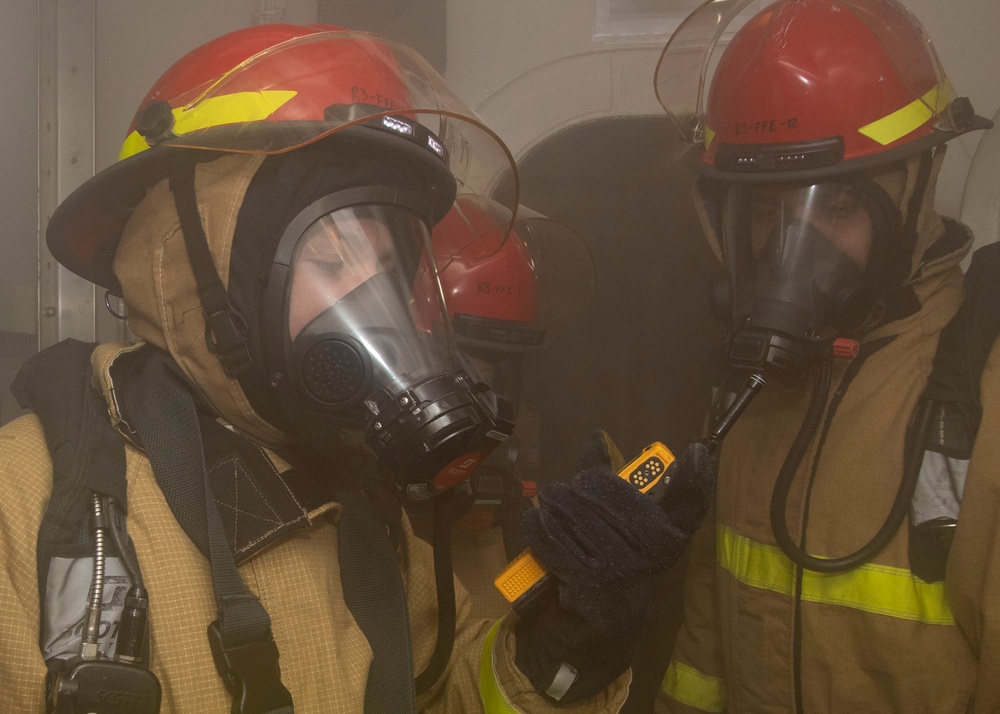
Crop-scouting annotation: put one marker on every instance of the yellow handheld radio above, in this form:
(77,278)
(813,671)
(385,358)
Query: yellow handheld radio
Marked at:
(525,582)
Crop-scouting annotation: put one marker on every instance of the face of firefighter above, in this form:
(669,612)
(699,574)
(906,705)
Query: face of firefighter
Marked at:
(803,261)
(357,353)
(800,252)
(333,260)
(835,211)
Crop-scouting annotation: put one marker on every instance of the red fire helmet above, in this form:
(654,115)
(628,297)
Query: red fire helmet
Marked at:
(501,289)
(269,89)
(808,88)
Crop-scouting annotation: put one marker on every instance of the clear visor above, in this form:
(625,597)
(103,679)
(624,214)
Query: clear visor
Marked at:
(563,264)
(556,255)
(686,66)
(352,278)
(804,246)
(306,88)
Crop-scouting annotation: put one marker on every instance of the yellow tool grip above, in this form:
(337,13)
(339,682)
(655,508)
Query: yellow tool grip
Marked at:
(524,580)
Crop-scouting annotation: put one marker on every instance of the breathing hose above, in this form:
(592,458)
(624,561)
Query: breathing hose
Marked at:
(445,505)
(901,503)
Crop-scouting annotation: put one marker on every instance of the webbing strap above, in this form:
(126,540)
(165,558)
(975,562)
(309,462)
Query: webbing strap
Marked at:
(225,327)
(162,411)
(373,591)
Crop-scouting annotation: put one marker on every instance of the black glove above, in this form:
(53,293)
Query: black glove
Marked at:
(608,545)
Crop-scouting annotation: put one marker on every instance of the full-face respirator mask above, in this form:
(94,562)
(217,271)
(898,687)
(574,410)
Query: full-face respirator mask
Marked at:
(806,265)
(347,347)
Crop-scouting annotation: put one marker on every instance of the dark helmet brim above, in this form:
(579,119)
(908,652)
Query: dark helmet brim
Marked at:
(85,229)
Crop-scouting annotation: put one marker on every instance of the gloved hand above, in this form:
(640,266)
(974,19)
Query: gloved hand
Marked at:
(608,545)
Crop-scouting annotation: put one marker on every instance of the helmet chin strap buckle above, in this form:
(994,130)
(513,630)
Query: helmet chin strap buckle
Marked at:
(226,337)
(225,327)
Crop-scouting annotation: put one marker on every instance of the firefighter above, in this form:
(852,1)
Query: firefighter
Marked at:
(209,519)
(505,292)
(818,144)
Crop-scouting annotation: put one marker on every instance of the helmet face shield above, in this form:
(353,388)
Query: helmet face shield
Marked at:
(563,264)
(806,85)
(298,89)
(271,89)
(684,71)
(686,66)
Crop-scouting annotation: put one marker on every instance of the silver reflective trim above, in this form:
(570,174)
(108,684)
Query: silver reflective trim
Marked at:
(563,680)
(66,603)
(940,486)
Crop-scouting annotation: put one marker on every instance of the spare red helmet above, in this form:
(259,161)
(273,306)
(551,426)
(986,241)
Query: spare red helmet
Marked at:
(269,89)
(501,289)
(808,88)
(490,285)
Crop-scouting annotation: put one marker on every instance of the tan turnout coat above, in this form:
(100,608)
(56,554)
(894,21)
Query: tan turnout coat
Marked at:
(876,639)
(324,656)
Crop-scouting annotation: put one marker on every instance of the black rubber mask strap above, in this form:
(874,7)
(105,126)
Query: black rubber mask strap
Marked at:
(225,327)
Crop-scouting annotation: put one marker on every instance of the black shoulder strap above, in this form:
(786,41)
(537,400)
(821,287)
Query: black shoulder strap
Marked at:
(373,592)
(955,409)
(161,407)
(88,455)
(966,341)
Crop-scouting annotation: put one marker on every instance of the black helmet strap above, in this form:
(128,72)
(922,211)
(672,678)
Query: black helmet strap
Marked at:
(225,327)
(915,205)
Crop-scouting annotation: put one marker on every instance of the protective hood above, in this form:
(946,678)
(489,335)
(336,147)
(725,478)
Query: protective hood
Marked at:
(159,286)
(931,256)
(245,203)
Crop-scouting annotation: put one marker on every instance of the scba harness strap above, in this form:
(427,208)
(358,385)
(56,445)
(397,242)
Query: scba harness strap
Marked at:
(165,419)
(954,385)
(88,494)
(88,458)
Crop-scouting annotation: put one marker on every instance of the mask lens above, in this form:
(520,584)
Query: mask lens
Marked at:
(836,211)
(802,249)
(801,260)
(336,254)
(349,304)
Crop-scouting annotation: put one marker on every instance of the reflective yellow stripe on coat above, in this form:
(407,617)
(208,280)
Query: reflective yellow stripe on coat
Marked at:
(494,701)
(696,689)
(879,589)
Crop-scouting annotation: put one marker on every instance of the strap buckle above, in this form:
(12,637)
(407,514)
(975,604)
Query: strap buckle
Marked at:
(251,673)
(226,335)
